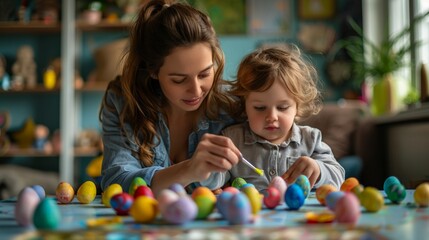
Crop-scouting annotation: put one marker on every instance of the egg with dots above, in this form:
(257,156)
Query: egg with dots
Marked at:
(421,195)
(205,200)
(121,203)
(239,209)
(137,181)
(332,199)
(272,198)
(255,198)
(26,203)
(349,184)
(47,215)
(143,191)
(371,199)
(280,184)
(110,191)
(144,209)
(347,209)
(323,191)
(64,192)
(86,192)
(303,182)
(294,197)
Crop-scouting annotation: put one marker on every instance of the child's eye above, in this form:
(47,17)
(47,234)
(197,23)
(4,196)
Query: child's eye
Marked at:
(259,108)
(282,108)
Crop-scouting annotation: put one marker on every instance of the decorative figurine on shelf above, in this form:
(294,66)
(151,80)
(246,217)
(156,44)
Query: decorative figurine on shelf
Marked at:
(4,140)
(4,76)
(24,69)
(41,140)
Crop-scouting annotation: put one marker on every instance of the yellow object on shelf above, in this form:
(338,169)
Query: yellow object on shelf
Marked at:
(94,167)
(49,78)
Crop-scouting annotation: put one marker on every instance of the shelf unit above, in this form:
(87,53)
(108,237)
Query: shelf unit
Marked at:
(70,32)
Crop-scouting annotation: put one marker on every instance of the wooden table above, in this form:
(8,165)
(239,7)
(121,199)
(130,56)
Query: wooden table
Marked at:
(404,221)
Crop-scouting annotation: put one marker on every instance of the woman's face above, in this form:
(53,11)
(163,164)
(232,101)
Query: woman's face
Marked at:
(271,113)
(187,76)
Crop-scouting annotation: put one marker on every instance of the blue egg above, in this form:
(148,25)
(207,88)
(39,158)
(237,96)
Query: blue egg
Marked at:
(239,209)
(40,191)
(247,185)
(303,182)
(396,193)
(390,181)
(222,203)
(47,214)
(294,197)
(332,198)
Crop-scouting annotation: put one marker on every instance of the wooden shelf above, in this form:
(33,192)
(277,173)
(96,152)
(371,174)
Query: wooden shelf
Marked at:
(36,89)
(31,152)
(41,27)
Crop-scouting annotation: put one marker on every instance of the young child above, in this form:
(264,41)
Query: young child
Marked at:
(276,87)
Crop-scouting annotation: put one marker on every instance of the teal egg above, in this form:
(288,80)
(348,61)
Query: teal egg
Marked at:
(137,182)
(47,214)
(238,182)
(396,193)
(303,182)
(390,181)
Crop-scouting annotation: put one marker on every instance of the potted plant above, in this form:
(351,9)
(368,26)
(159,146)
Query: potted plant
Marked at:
(378,62)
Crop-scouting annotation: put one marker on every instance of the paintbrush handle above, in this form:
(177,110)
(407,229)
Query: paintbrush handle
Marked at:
(247,163)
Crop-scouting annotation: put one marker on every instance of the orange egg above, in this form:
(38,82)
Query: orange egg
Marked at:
(323,191)
(421,195)
(203,191)
(349,184)
(64,192)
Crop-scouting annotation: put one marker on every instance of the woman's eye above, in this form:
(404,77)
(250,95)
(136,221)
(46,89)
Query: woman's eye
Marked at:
(178,81)
(204,75)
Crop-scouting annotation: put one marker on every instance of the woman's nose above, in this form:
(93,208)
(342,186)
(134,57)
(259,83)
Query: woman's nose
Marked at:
(194,85)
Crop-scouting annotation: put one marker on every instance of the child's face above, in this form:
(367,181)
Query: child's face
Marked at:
(187,76)
(271,113)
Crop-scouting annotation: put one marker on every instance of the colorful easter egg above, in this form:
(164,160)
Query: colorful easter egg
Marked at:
(323,191)
(137,181)
(281,185)
(303,182)
(332,199)
(231,189)
(238,182)
(86,192)
(347,209)
(349,184)
(222,202)
(255,198)
(272,198)
(179,189)
(390,181)
(64,192)
(110,191)
(143,191)
(144,209)
(26,203)
(357,190)
(47,215)
(294,197)
(205,205)
(396,193)
(39,190)
(371,199)
(239,209)
(165,198)
(203,191)
(121,203)
(421,195)
(181,211)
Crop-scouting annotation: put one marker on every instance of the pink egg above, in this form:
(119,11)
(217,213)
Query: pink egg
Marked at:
(272,198)
(26,203)
(232,190)
(281,185)
(143,191)
(347,209)
(121,203)
(181,211)
(165,198)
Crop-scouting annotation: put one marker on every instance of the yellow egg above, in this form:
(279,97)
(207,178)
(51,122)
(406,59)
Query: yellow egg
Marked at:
(255,198)
(64,192)
(371,199)
(110,191)
(144,209)
(87,192)
(323,191)
(421,195)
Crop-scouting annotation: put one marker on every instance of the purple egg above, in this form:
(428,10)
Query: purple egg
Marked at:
(222,203)
(181,211)
(294,197)
(40,191)
(332,198)
(121,203)
(179,189)
(239,209)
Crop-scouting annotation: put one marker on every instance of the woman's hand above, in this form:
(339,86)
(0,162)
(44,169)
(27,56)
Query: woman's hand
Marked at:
(214,153)
(305,166)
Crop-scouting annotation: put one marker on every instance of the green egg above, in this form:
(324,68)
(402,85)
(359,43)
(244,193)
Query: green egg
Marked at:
(47,215)
(205,206)
(238,182)
(137,182)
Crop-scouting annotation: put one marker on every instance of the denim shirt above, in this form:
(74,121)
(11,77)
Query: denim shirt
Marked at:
(276,159)
(120,163)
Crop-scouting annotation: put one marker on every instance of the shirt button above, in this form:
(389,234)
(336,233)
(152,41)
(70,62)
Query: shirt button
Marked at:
(272,172)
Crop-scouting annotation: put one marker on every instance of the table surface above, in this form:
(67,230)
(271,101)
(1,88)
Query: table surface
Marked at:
(403,221)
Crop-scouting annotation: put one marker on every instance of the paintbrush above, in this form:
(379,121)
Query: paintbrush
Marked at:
(257,170)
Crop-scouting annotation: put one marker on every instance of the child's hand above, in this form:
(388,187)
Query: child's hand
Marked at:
(305,166)
(214,153)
